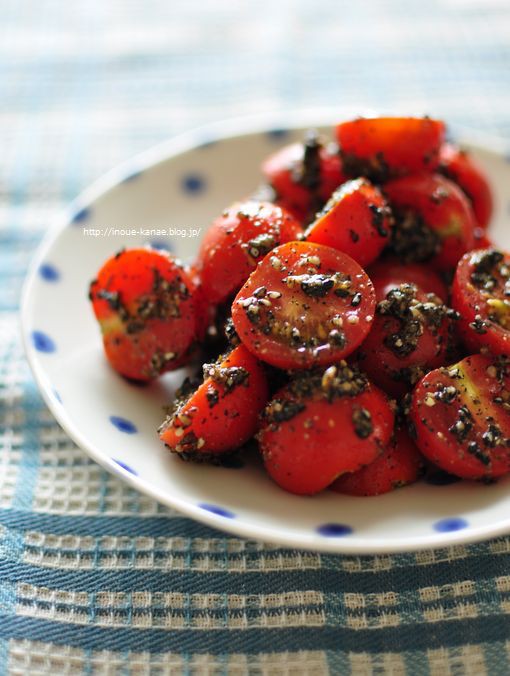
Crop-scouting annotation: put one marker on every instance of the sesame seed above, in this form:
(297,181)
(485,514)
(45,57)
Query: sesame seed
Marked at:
(429,400)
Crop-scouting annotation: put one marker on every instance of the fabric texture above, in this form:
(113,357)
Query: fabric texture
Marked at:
(98,579)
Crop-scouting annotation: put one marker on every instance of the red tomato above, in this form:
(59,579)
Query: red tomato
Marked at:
(356,220)
(481,295)
(482,241)
(322,424)
(399,464)
(411,334)
(389,273)
(304,305)
(234,243)
(146,306)
(389,146)
(461,418)
(434,220)
(304,175)
(222,413)
(465,171)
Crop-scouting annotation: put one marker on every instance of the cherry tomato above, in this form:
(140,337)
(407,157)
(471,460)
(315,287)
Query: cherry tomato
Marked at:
(400,464)
(461,417)
(322,424)
(146,306)
(411,334)
(389,146)
(221,414)
(356,220)
(305,304)
(434,220)
(460,167)
(234,243)
(481,295)
(389,273)
(304,175)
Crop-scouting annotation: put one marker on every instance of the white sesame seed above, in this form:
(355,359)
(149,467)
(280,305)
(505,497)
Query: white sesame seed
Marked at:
(429,400)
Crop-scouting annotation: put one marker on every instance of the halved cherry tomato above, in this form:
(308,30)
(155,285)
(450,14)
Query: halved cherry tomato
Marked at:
(400,464)
(434,220)
(389,146)
(304,175)
(461,417)
(234,243)
(460,166)
(355,220)
(389,273)
(221,414)
(481,295)
(322,424)
(411,334)
(146,306)
(305,304)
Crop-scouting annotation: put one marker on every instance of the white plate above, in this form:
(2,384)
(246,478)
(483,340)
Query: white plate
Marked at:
(184,184)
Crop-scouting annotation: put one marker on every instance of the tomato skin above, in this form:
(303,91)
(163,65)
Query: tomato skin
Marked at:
(356,220)
(445,211)
(393,355)
(482,240)
(390,273)
(146,305)
(485,312)
(234,243)
(468,437)
(216,419)
(308,316)
(400,464)
(459,166)
(389,146)
(304,175)
(315,440)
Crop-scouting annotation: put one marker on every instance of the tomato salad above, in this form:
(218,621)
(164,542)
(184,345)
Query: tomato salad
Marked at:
(354,326)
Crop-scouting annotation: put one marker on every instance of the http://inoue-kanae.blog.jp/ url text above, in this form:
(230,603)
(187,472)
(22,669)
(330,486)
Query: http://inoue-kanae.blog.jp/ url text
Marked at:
(111,231)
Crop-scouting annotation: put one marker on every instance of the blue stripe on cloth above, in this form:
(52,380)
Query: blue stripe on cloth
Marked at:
(126,579)
(30,458)
(4,652)
(61,524)
(407,638)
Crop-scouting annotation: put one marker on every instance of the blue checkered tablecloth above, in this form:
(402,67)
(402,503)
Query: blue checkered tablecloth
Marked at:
(96,578)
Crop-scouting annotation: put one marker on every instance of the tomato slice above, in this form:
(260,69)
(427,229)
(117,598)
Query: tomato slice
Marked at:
(481,295)
(305,304)
(389,273)
(356,220)
(434,220)
(382,147)
(459,166)
(461,417)
(148,310)
(323,423)
(412,333)
(400,464)
(221,414)
(235,241)
(304,175)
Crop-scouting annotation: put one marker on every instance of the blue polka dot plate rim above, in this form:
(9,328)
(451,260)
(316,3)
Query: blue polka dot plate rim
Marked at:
(166,197)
